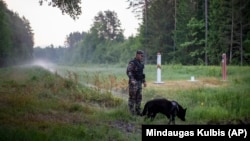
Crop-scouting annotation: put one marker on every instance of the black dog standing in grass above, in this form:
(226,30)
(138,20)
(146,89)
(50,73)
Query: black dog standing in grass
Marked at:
(169,108)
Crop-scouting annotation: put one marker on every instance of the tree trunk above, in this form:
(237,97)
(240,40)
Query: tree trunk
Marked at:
(206,33)
(232,31)
(241,34)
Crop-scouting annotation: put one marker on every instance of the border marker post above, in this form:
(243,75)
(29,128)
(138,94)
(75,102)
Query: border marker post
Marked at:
(158,78)
(224,67)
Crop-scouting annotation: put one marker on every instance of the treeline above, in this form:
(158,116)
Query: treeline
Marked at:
(188,32)
(104,43)
(197,31)
(16,38)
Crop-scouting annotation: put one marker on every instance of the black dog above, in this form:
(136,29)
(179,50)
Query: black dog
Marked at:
(169,108)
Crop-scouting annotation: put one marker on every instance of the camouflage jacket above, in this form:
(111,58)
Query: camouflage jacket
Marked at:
(135,71)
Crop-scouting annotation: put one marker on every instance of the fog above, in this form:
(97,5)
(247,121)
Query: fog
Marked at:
(44,64)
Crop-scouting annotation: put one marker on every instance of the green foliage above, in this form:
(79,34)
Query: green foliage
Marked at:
(36,104)
(5,36)
(90,51)
(209,100)
(72,8)
(74,38)
(107,26)
(16,38)
(176,30)
(194,44)
(169,27)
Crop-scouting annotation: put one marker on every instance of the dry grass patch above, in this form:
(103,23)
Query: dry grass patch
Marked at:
(187,84)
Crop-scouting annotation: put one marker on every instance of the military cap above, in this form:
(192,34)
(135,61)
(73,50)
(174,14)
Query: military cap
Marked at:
(139,52)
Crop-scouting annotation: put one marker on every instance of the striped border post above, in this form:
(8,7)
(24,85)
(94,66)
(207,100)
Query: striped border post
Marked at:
(158,79)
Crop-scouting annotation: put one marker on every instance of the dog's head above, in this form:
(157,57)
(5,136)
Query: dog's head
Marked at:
(182,113)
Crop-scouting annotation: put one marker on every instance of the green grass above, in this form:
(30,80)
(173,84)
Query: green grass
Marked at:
(36,104)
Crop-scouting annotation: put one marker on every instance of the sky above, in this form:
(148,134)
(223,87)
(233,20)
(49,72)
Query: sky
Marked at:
(51,27)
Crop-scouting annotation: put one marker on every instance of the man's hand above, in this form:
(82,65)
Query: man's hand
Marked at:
(145,84)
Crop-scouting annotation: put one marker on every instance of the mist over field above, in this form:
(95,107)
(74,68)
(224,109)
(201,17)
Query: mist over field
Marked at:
(47,65)
(79,91)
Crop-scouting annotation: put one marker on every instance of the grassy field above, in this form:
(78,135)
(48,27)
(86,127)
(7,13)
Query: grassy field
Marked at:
(90,102)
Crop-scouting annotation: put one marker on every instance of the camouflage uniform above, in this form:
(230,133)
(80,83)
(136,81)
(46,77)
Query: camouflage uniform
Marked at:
(135,73)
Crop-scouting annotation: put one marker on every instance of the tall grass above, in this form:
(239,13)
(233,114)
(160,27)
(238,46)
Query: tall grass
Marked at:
(38,105)
(222,100)
(90,103)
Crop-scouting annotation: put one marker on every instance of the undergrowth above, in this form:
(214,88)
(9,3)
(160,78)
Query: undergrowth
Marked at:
(91,104)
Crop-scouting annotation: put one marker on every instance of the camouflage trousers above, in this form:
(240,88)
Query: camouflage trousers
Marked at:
(135,97)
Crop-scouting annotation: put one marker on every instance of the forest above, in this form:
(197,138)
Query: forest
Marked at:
(186,32)
(79,90)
